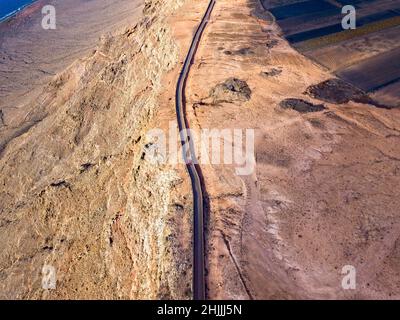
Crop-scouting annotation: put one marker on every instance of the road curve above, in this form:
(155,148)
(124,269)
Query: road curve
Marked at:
(189,155)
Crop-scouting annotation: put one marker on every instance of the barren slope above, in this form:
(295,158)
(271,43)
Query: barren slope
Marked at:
(78,193)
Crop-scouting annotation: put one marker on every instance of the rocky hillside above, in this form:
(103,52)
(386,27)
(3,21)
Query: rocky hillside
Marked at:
(77,193)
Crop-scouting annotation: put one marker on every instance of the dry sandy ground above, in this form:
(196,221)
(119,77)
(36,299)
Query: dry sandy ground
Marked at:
(357,49)
(30,55)
(324,193)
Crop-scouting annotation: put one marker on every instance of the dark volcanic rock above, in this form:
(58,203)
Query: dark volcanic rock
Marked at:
(231,90)
(301,105)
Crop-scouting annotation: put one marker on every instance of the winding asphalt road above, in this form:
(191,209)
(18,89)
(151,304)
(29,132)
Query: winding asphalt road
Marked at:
(189,155)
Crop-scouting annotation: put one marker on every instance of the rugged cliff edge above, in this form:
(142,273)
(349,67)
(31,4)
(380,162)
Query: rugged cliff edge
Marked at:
(77,193)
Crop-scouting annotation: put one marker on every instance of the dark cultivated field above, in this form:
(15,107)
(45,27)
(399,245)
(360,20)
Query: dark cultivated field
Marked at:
(25,63)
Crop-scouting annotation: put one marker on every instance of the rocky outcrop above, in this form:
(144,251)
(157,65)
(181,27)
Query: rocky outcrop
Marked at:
(322,195)
(339,92)
(76,191)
